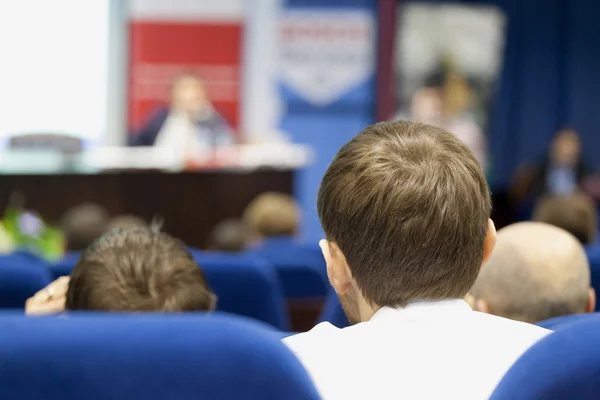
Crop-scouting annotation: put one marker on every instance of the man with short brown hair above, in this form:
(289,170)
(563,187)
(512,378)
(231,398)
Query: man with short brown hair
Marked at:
(130,270)
(405,208)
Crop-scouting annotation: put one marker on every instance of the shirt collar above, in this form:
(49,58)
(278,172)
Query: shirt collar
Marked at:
(437,309)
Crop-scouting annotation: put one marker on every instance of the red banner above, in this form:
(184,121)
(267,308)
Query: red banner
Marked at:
(162,46)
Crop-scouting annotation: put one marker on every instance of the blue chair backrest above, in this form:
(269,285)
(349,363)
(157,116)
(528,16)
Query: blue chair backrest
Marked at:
(146,357)
(245,285)
(301,268)
(333,312)
(18,282)
(565,321)
(593,253)
(563,365)
(64,266)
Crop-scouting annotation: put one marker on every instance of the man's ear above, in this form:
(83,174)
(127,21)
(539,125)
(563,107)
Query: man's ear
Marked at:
(591,303)
(490,241)
(337,268)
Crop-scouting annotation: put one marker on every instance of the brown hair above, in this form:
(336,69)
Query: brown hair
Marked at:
(138,269)
(272,214)
(575,213)
(408,205)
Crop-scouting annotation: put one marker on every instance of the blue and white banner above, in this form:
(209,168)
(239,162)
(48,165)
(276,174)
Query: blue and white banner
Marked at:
(324,53)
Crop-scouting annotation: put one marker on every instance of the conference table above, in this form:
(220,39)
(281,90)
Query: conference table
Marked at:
(190,198)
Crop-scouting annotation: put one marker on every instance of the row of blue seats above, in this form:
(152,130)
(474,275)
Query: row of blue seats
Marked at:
(255,284)
(111,356)
(216,356)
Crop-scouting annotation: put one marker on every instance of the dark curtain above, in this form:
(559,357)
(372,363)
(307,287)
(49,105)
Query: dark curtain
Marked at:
(550,80)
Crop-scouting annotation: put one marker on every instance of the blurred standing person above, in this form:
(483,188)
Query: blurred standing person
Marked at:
(189,123)
(443,107)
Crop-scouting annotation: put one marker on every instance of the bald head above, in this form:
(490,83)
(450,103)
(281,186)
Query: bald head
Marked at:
(536,271)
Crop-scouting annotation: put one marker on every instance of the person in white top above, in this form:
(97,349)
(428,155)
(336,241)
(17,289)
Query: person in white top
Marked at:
(405,209)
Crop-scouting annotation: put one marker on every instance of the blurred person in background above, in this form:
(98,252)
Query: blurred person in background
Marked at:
(189,123)
(536,272)
(125,221)
(129,270)
(229,236)
(576,213)
(445,106)
(560,172)
(271,215)
(83,224)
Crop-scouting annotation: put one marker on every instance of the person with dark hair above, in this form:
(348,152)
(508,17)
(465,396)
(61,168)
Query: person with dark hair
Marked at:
(536,272)
(83,224)
(575,213)
(229,236)
(130,270)
(190,122)
(560,172)
(406,212)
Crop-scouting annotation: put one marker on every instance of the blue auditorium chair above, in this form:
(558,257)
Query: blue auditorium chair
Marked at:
(333,312)
(563,365)
(64,266)
(565,321)
(102,356)
(245,285)
(593,254)
(19,281)
(301,268)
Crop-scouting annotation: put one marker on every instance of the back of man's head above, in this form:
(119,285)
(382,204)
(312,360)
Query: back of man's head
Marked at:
(138,269)
(83,224)
(536,272)
(575,213)
(272,214)
(408,207)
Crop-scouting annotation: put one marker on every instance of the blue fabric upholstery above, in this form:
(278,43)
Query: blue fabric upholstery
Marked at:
(563,365)
(64,266)
(593,254)
(333,312)
(245,285)
(146,357)
(19,281)
(301,268)
(566,321)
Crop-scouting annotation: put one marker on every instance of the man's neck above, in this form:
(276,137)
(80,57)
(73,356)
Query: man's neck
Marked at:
(366,310)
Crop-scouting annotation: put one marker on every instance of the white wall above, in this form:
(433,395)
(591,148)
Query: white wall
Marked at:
(54,73)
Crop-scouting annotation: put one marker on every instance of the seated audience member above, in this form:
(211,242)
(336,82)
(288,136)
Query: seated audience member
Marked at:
(125,221)
(536,272)
(271,215)
(560,172)
(405,209)
(190,122)
(130,270)
(83,224)
(228,236)
(575,213)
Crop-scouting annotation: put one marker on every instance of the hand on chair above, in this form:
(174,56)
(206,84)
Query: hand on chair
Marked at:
(49,300)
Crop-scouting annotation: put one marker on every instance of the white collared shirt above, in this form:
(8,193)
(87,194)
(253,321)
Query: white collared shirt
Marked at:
(434,350)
